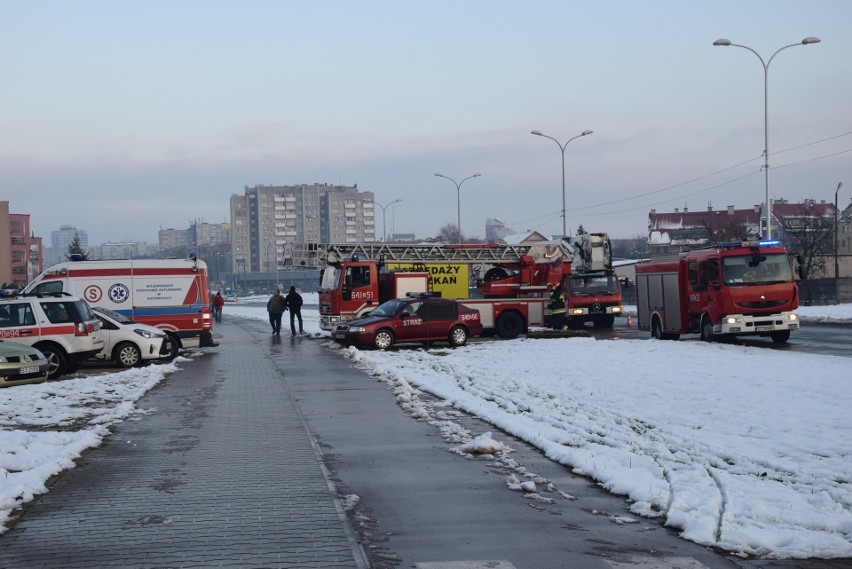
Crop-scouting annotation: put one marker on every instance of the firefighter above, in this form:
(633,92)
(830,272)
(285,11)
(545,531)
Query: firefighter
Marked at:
(557,309)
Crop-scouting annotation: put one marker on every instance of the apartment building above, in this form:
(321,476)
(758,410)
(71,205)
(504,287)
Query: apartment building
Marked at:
(20,251)
(266,221)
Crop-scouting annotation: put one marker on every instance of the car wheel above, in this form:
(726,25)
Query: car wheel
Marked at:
(57,361)
(383,339)
(174,347)
(510,325)
(458,336)
(706,329)
(127,354)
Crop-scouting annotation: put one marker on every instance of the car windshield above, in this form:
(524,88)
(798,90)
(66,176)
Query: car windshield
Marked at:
(330,278)
(120,318)
(388,308)
(591,285)
(756,269)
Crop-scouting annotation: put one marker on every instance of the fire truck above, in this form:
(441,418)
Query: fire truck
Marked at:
(170,294)
(511,283)
(732,289)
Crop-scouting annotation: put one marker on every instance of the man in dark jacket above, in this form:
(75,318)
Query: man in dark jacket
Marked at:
(275,306)
(294,303)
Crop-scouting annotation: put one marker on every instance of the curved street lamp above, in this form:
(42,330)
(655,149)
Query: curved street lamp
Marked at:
(458,196)
(562,148)
(384,231)
(725,42)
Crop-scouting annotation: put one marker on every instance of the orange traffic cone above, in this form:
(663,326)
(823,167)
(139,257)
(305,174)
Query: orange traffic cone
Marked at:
(629,322)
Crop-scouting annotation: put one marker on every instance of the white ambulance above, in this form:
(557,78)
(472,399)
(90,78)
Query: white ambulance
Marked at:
(170,294)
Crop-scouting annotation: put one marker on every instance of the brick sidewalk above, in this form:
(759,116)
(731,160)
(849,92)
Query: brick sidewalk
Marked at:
(220,473)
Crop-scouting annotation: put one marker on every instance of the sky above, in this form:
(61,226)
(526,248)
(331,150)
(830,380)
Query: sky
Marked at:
(756,464)
(157,112)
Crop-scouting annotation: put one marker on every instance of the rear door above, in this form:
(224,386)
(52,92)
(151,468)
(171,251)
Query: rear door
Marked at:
(440,317)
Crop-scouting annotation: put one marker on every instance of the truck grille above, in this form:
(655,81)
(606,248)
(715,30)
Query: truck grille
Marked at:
(762,304)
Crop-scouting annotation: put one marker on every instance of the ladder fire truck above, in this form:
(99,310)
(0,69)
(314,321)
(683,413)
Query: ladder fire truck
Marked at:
(511,283)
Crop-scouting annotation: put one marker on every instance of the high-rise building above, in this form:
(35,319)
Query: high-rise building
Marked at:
(267,220)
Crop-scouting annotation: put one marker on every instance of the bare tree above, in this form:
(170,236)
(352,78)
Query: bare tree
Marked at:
(809,234)
(449,233)
(724,228)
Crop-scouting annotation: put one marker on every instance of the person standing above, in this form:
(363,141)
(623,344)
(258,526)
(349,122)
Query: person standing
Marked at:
(218,303)
(275,306)
(294,303)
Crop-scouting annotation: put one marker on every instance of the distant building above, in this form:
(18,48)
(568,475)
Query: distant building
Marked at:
(679,231)
(496,230)
(267,220)
(60,240)
(20,251)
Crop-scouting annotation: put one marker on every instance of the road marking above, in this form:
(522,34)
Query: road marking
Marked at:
(465,565)
(648,562)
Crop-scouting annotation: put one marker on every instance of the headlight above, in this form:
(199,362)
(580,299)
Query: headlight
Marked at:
(577,311)
(357,329)
(3,360)
(733,320)
(147,334)
(616,309)
(792,317)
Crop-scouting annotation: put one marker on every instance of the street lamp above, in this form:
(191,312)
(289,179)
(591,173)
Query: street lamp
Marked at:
(562,148)
(458,196)
(806,41)
(836,265)
(384,230)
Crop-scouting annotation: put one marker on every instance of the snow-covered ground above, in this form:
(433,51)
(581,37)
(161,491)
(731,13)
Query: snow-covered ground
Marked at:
(738,447)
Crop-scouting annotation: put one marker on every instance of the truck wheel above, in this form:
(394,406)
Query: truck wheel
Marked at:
(57,361)
(510,325)
(706,329)
(383,339)
(495,273)
(458,336)
(657,328)
(127,354)
(780,337)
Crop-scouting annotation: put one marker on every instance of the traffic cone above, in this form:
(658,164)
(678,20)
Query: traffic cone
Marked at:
(629,322)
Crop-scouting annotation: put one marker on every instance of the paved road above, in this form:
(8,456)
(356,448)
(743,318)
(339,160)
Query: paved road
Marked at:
(246,454)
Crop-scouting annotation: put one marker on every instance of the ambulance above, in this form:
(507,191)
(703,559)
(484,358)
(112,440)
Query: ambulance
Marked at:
(170,294)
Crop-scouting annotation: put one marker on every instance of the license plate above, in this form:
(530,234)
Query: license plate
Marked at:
(339,335)
(763,328)
(28,369)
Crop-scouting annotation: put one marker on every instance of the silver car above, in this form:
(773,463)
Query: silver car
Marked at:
(129,343)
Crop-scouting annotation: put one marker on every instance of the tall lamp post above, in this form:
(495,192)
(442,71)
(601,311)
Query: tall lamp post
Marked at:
(562,148)
(458,196)
(384,227)
(836,264)
(766,64)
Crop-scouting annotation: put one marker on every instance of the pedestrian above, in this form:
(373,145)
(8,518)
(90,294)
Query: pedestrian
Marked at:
(218,303)
(275,306)
(294,303)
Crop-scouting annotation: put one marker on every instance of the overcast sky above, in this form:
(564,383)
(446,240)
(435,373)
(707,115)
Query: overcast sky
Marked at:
(122,118)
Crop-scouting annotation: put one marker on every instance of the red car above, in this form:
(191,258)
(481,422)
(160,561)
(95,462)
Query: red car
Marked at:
(421,319)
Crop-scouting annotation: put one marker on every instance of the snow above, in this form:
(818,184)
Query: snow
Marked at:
(738,447)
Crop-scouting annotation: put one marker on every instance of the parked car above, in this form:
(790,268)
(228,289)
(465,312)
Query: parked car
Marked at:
(420,319)
(60,326)
(20,364)
(127,342)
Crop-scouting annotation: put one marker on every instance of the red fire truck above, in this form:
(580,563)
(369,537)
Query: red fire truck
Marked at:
(722,291)
(513,281)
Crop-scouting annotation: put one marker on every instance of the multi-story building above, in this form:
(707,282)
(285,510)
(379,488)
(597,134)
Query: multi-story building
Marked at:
(268,220)
(60,240)
(20,251)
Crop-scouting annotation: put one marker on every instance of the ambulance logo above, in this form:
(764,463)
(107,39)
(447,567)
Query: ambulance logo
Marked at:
(118,293)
